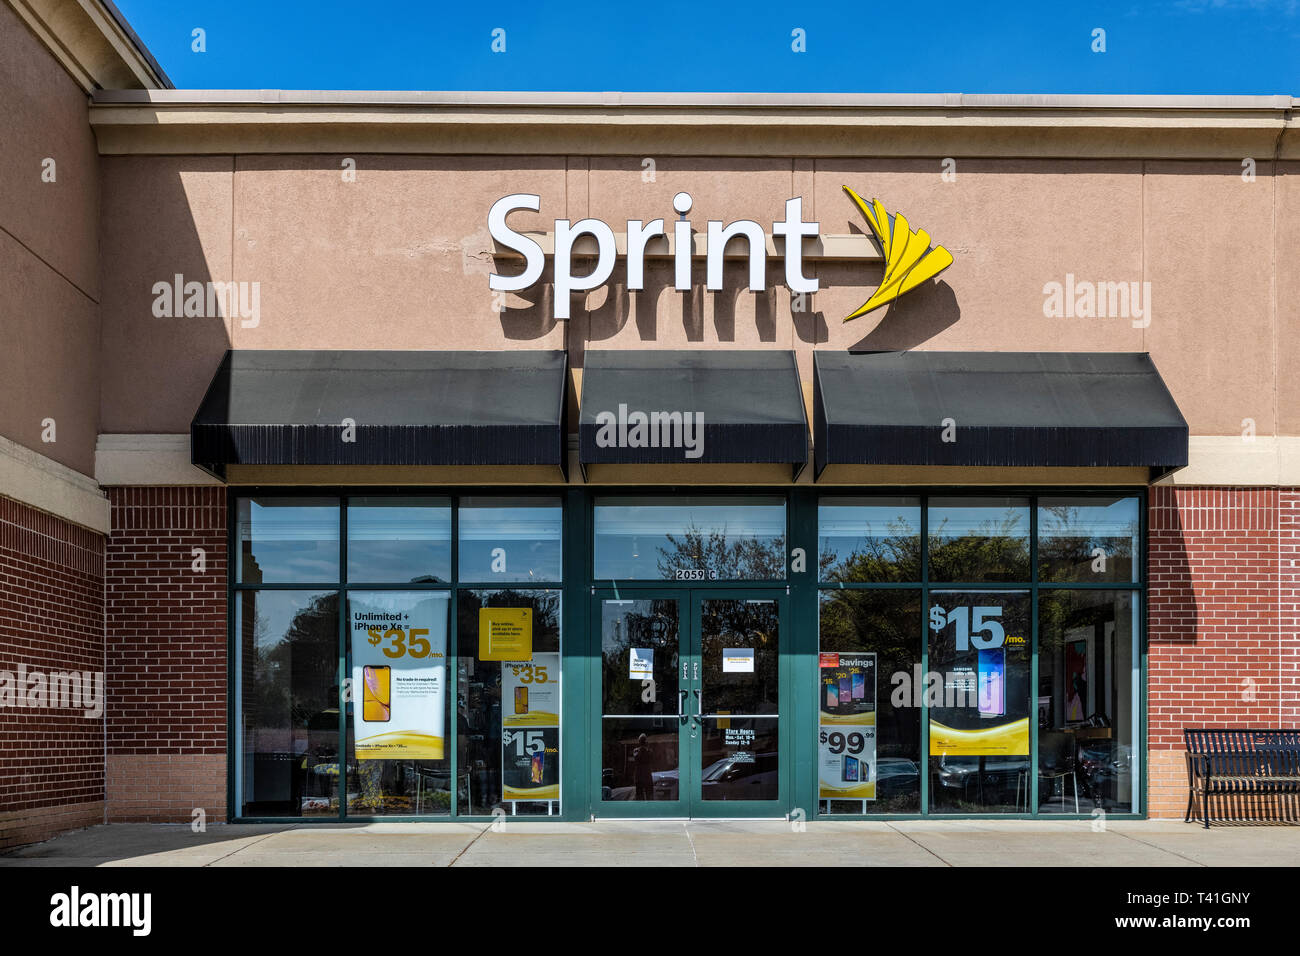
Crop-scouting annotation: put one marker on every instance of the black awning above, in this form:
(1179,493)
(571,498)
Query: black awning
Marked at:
(1010,409)
(749,403)
(409,408)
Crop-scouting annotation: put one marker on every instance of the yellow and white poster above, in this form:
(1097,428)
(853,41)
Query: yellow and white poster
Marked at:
(530,728)
(399,675)
(846,737)
(505,633)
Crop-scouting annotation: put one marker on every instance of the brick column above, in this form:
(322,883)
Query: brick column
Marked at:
(1222,621)
(166,623)
(51,633)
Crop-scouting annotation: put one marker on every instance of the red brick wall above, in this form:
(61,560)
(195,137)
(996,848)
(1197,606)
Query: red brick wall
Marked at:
(166,653)
(1222,648)
(51,620)
(1289,598)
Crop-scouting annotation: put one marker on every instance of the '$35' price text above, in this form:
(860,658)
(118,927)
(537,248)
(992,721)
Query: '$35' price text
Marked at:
(415,638)
(530,673)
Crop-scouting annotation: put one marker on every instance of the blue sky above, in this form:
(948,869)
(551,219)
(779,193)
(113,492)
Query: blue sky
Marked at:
(1161,46)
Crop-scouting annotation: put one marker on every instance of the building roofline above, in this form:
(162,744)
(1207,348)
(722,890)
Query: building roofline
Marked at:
(686,101)
(164,81)
(93,42)
(758,125)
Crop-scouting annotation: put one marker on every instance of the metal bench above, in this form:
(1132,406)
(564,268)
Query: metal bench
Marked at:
(1242,762)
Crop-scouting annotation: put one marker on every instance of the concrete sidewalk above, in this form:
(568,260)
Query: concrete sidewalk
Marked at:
(662,843)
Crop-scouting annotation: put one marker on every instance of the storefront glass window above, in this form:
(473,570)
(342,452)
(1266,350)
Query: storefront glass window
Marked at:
(979,539)
(399,762)
(288,540)
(690,538)
(510,539)
(740,727)
(639,717)
(399,540)
(1088,743)
(977,692)
(508,711)
(994,741)
(423,736)
(869,539)
(287,688)
(1088,540)
(869,711)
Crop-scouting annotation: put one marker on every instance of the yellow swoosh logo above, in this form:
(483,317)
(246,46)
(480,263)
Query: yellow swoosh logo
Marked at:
(909,257)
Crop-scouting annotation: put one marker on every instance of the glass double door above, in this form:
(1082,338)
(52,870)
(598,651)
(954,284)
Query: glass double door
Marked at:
(689,703)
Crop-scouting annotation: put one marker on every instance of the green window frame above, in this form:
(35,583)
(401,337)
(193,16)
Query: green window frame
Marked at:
(1036,587)
(343,587)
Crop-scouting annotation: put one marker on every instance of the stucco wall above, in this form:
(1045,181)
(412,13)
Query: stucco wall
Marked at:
(399,258)
(49,362)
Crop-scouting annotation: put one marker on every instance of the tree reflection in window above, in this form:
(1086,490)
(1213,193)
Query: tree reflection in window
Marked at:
(727,559)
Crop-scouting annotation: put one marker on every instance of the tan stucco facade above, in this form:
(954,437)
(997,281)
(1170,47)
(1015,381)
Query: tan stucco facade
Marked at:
(399,258)
(49,253)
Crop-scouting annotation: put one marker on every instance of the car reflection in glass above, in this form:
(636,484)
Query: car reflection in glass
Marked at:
(896,777)
(664,782)
(993,779)
(738,777)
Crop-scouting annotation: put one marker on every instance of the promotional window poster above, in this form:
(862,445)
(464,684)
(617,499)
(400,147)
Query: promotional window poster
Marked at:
(846,737)
(399,675)
(978,681)
(530,728)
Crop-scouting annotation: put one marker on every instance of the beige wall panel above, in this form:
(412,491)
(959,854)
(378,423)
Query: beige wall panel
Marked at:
(724,189)
(43,115)
(161,216)
(661,317)
(398,259)
(1209,255)
(1287,271)
(1012,226)
(49,363)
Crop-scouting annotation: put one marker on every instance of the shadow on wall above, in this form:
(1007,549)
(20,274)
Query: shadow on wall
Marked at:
(1172,612)
(906,323)
(1174,620)
(163,336)
(616,305)
(912,320)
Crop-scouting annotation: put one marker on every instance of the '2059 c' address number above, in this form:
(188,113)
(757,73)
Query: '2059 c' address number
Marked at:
(695,574)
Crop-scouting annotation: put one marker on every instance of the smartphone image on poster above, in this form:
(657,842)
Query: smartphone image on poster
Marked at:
(521,700)
(376,697)
(832,696)
(852,771)
(846,690)
(992,671)
(859,685)
(535,767)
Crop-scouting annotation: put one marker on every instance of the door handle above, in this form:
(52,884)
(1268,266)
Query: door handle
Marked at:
(681,699)
(699,702)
